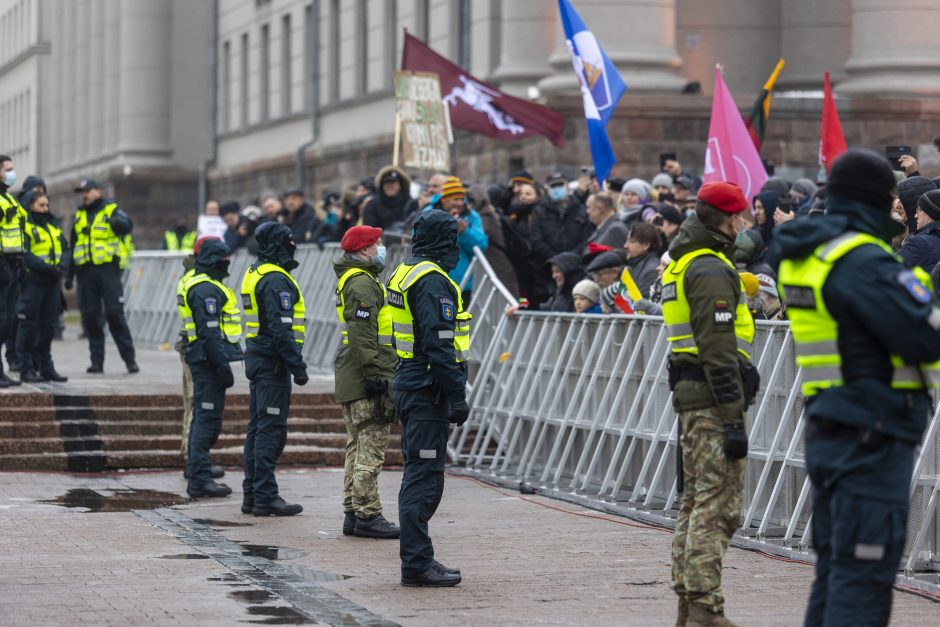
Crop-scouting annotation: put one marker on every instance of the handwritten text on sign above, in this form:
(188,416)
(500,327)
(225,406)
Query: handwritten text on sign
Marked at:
(423,121)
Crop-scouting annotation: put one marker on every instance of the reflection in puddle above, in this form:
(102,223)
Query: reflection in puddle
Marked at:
(269,552)
(120,500)
(279,615)
(252,596)
(185,556)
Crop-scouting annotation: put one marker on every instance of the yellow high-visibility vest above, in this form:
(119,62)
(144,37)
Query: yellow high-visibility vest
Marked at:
(385,312)
(298,318)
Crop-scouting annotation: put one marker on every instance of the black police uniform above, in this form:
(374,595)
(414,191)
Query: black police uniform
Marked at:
(861,435)
(40,303)
(427,390)
(9,282)
(271,358)
(208,358)
(101,284)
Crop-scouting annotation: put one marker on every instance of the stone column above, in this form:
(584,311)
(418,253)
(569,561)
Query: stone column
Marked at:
(895,48)
(112,74)
(96,78)
(814,37)
(145,88)
(526,40)
(639,36)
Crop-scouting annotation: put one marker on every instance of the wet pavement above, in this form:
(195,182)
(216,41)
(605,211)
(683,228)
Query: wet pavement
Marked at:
(131,548)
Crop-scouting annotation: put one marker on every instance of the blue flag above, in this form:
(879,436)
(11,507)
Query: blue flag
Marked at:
(601,86)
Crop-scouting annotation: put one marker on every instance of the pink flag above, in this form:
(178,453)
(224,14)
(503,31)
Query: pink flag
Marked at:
(731,155)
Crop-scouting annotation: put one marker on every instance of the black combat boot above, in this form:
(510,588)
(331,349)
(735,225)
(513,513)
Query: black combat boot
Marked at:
(277,507)
(31,376)
(248,503)
(217,472)
(445,569)
(95,368)
(431,578)
(52,375)
(376,527)
(349,523)
(209,489)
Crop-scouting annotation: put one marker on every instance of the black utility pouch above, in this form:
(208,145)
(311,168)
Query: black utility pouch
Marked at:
(735,441)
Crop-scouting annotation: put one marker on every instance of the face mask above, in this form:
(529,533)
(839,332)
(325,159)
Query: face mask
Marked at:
(739,238)
(557,193)
(449,261)
(222,266)
(291,248)
(379,258)
(9,178)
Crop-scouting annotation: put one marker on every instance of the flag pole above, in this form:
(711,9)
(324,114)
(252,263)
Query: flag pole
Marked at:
(397,142)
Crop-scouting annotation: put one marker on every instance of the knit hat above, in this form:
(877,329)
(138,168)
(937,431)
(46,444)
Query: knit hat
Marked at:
(751,284)
(604,261)
(723,196)
(767,285)
(776,184)
(864,176)
(910,190)
(588,289)
(638,186)
(522,176)
(929,203)
(804,187)
(453,187)
(661,180)
(671,214)
(686,181)
(359,237)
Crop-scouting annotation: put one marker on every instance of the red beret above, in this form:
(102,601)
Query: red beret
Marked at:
(360,237)
(199,242)
(723,196)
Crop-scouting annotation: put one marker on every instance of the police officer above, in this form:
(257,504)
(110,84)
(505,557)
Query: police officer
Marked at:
(47,260)
(13,220)
(212,321)
(432,340)
(865,329)
(180,238)
(710,331)
(99,235)
(275,325)
(365,364)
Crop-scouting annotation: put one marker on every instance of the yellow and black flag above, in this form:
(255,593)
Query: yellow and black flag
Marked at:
(756,121)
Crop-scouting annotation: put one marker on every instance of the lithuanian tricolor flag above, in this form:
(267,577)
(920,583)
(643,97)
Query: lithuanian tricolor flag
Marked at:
(756,121)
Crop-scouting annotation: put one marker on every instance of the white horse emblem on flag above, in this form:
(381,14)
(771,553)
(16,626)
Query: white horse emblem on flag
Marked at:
(480,98)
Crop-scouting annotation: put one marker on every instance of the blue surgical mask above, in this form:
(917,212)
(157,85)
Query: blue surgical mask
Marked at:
(9,178)
(379,257)
(557,193)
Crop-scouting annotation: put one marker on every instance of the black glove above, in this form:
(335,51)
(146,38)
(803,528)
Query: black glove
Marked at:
(226,376)
(735,441)
(69,283)
(459,411)
(301,378)
(374,387)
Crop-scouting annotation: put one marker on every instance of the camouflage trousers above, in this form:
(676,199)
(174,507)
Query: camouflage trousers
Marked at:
(366,439)
(187,406)
(710,511)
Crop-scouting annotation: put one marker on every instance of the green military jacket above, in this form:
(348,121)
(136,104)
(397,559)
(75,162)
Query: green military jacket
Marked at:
(363,357)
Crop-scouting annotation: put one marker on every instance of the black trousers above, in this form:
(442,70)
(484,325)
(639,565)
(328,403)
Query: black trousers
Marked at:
(424,445)
(208,407)
(37,313)
(100,287)
(9,291)
(270,388)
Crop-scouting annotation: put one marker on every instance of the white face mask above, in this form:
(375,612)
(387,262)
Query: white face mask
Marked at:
(379,257)
(9,178)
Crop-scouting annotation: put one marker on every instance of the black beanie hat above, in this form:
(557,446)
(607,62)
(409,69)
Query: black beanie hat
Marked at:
(863,175)
(911,189)
(929,203)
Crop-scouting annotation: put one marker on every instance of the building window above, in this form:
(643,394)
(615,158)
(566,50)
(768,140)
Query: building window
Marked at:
(463,34)
(362,37)
(226,83)
(244,81)
(286,84)
(335,43)
(391,40)
(264,73)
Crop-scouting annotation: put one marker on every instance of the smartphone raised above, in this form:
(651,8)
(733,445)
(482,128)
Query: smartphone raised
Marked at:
(894,153)
(664,157)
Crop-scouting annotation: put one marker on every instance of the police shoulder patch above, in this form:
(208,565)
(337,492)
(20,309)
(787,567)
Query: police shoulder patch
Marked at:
(669,292)
(913,286)
(284,298)
(212,306)
(448,309)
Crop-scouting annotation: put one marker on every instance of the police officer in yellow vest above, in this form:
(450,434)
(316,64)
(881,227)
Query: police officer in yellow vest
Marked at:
(364,367)
(180,238)
(47,260)
(865,328)
(710,331)
(97,234)
(13,220)
(212,321)
(275,328)
(432,340)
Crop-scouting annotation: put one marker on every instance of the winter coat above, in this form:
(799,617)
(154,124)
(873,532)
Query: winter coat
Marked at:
(304,224)
(386,212)
(561,299)
(520,234)
(611,233)
(496,250)
(473,235)
(923,247)
(643,270)
(559,227)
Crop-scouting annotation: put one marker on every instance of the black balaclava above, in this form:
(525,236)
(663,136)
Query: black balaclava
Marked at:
(276,245)
(213,259)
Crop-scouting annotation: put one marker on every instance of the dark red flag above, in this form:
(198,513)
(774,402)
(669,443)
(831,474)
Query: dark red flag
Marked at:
(478,107)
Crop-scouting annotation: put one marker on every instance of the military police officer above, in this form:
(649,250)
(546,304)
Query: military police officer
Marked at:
(99,234)
(432,340)
(13,220)
(710,331)
(867,334)
(365,364)
(47,260)
(212,322)
(275,325)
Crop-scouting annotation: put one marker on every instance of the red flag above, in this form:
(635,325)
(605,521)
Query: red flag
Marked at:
(831,139)
(478,107)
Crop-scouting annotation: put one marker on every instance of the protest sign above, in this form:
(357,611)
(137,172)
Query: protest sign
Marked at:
(421,124)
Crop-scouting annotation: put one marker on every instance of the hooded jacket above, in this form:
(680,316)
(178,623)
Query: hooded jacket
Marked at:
(363,357)
(384,211)
(204,298)
(434,362)
(38,270)
(304,224)
(561,299)
(923,247)
(877,317)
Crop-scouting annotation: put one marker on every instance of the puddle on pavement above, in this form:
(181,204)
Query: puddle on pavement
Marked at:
(252,596)
(278,615)
(185,556)
(210,522)
(119,500)
(270,552)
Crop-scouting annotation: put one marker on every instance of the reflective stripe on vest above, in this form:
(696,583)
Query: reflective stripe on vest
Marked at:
(385,312)
(678,314)
(95,242)
(126,250)
(174,243)
(45,242)
(404,277)
(12,220)
(298,317)
(816,332)
(230,317)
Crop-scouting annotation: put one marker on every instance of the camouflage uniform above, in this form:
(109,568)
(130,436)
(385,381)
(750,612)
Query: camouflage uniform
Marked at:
(187,405)
(367,427)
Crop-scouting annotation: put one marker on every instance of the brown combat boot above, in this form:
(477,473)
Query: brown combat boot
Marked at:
(683,612)
(700,616)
